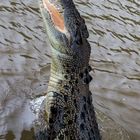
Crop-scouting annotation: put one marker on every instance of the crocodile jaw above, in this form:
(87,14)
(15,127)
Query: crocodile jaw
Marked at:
(56,15)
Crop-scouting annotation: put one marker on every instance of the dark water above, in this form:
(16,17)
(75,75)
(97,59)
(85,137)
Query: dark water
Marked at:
(114,27)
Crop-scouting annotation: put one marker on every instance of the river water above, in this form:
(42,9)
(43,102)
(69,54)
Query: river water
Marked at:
(114,27)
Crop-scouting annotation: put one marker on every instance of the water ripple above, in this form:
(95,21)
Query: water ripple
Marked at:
(114,28)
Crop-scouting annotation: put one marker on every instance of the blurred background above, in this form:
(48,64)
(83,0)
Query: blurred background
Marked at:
(114,27)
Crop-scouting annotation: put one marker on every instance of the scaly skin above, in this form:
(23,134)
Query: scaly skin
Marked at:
(67,112)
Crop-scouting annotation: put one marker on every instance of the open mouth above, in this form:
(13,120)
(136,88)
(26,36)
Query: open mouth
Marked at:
(56,13)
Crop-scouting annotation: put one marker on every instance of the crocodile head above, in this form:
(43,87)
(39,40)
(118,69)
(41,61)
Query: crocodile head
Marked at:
(66,32)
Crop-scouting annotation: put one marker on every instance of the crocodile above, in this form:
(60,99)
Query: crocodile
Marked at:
(67,113)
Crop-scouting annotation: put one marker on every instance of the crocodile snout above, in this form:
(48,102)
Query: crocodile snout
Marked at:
(55,11)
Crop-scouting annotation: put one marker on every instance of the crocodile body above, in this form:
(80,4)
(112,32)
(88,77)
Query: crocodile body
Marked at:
(67,113)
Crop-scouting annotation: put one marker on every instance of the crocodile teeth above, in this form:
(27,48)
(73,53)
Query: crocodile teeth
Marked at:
(57,4)
(56,17)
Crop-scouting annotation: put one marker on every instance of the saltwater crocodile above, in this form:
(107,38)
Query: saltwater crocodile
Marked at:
(67,113)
